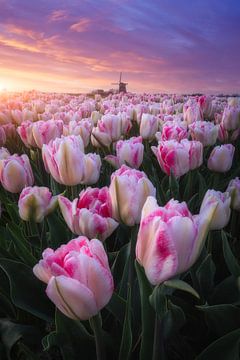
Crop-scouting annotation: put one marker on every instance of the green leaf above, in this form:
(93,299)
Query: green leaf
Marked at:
(225,348)
(202,186)
(158,301)
(59,233)
(205,275)
(181,285)
(226,292)
(173,320)
(21,245)
(230,259)
(27,292)
(117,307)
(73,339)
(174,186)
(222,319)
(126,342)
(147,314)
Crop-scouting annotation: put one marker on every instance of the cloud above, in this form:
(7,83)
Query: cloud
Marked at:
(81,26)
(58,15)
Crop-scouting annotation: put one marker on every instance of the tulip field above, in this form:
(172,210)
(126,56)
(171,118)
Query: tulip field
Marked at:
(119,227)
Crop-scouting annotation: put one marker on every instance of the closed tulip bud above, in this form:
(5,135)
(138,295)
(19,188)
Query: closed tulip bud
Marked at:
(82,128)
(222,214)
(192,113)
(221,158)
(234,190)
(170,238)
(16,173)
(222,133)
(91,214)
(129,152)
(35,203)
(79,280)
(129,190)
(17,117)
(64,159)
(44,131)
(173,131)
(231,117)
(5,117)
(39,106)
(204,131)
(195,151)
(25,131)
(148,126)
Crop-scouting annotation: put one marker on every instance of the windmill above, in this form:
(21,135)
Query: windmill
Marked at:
(122,86)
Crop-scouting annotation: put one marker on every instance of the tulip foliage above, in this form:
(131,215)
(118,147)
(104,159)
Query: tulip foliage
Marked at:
(119,227)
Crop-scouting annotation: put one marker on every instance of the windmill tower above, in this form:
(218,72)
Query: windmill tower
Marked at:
(122,86)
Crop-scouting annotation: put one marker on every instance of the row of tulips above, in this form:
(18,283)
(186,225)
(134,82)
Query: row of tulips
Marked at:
(158,229)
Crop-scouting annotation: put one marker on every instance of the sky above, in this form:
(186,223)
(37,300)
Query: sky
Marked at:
(178,46)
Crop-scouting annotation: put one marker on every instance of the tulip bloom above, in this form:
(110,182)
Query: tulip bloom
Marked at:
(64,159)
(4,153)
(129,190)
(222,214)
(234,190)
(231,117)
(178,157)
(25,131)
(173,131)
(221,158)
(90,215)
(44,131)
(170,238)
(79,280)
(148,126)
(204,131)
(2,136)
(35,203)
(82,128)
(129,152)
(16,173)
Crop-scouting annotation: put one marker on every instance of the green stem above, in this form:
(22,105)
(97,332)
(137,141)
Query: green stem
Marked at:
(158,346)
(96,326)
(133,239)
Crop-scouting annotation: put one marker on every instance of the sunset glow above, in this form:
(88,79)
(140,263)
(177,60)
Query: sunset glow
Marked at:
(65,46)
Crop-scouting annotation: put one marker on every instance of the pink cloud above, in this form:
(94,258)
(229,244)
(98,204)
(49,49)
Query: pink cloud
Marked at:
(81,26)
(58,15)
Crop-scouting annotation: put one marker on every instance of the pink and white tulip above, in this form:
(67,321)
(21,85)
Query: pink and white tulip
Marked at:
(170,238)
(90,215)
(129,152)
(78,277)
(221,158)
(234,190)
(129,190)
(16,173)
(204,131)
(35,203)
(148,126)
(231,117)
(222,213)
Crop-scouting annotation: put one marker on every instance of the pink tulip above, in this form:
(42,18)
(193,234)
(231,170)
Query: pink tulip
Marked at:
(90,215)
(234,190)
(16,173)
(17,116)
(25,131)
(180,157)
(192,113)
(148,126)
(221,158)
(129,152)
(129,190)
(222,214)
(204,131)
(44,131)
(170,238)
(79,280)
(172,131)
(82,128)
(231,117)
(35,203)
(65,161)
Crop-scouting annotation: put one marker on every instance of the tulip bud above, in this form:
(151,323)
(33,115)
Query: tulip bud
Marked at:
(204,131)
(148,126)
(79,279)
(129,190)
(35,203)
(222,213)
(16,173)
(221,158)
